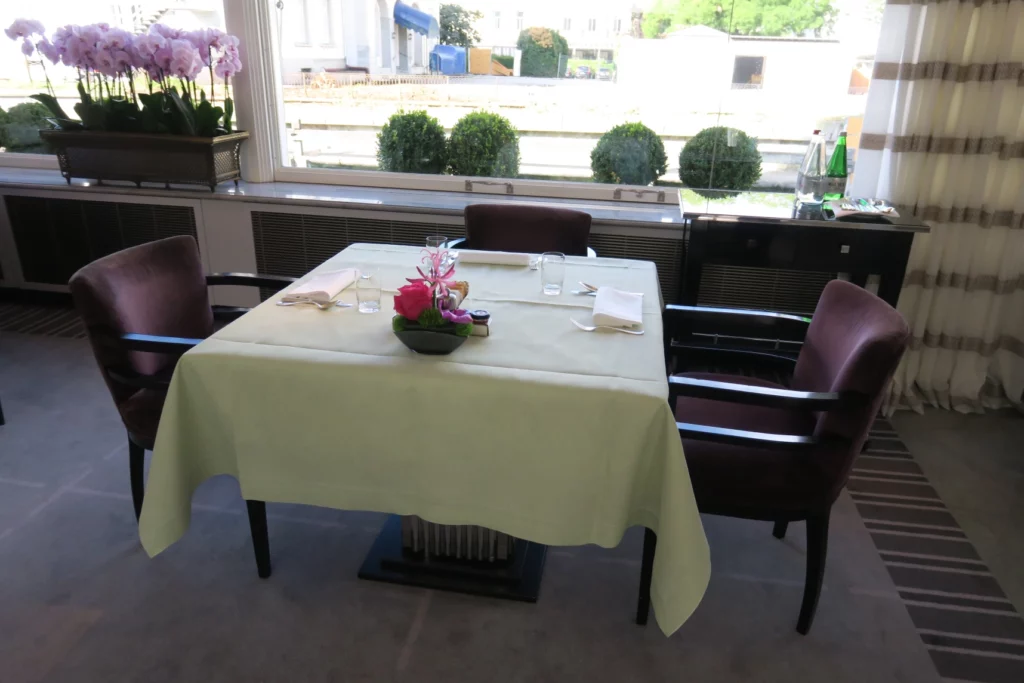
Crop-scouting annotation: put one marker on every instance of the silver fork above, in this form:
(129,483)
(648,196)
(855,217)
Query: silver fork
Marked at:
(592,328)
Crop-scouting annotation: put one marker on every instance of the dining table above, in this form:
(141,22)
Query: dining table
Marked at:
(540,430)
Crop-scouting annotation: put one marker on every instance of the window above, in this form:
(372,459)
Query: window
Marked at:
(519,21)
(297,21)
(322,24)
(497,20)
(748,73)
(708,76)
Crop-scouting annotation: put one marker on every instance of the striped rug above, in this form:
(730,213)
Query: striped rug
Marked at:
(970,628)
(51,321)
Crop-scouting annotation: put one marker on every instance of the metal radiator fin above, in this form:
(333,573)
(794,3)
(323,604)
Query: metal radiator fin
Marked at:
(56,237)
(773,289)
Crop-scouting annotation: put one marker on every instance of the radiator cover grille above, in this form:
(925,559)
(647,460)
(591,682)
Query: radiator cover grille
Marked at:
(771,289)
(56,237)
(293,244)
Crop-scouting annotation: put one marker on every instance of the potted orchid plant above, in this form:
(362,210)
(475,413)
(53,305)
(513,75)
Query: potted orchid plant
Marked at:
(427,319)
(143,113)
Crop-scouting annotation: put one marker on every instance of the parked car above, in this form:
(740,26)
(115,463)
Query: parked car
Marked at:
(604,74)
(584,71)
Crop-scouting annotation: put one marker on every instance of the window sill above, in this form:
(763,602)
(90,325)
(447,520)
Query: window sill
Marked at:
(434,202)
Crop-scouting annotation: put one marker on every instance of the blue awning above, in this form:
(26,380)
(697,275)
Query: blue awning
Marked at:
(416,20)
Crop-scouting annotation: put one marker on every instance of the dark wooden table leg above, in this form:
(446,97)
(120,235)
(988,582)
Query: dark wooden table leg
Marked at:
(257,510)
(643,603)
(895,268)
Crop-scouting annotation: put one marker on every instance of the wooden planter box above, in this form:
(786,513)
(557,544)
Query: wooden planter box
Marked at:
(147,158)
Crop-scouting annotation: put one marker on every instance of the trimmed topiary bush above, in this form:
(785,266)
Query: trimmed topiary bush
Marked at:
(412,142)
(709,161)
(542,49)
(484,144)
(20,125)
(630,154)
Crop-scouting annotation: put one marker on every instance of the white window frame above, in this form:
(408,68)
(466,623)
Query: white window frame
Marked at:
(259,109)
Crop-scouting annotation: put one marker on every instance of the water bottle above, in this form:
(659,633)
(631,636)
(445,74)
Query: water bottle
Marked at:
(836,170)
(811,179)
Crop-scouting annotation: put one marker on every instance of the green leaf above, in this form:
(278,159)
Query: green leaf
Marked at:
(93,115)
(229,110)
(464,329)
(207,118)
(431,317)
(398,323)
(50,102)
(181,114)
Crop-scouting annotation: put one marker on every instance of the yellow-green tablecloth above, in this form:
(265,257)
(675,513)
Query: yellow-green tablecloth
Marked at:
(540,430)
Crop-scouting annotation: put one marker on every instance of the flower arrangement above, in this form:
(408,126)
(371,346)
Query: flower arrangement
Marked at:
(425,303)
(132,83)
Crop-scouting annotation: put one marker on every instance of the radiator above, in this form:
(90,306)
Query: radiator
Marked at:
(455,541)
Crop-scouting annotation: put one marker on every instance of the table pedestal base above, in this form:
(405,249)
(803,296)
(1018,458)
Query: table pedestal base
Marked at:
(517,579)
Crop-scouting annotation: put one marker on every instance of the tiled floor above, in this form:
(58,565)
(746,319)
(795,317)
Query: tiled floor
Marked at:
(80,601)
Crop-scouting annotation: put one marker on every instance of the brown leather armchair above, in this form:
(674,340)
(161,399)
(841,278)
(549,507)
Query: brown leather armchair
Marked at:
(144,307)
(758,450)
(525,228)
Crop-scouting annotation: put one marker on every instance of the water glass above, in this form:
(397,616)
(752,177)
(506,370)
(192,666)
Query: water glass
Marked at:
(368,292)
(552,272)
(436,241)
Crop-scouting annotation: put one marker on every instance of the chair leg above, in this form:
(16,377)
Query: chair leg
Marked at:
(817,547)
(136,470)
(779,530)
(257,510)
(1,414)
(643,603)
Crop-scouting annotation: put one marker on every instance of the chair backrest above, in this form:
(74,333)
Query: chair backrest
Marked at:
(155,288)
(533,229)
(854,344)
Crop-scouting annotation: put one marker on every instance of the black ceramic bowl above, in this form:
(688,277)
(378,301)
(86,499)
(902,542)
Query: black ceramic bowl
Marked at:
(430,342)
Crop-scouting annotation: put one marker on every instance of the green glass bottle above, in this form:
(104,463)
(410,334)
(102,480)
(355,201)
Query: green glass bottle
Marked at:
(836,170)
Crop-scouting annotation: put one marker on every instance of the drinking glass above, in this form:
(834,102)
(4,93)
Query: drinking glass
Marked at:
(368,292)
(552,272)
(436,241)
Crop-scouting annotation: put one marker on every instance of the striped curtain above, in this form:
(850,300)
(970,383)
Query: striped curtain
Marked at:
(944,140)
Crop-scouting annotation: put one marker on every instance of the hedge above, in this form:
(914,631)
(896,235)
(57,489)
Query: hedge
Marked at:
(412,142)
(708,161)
(629,154)
(484,144)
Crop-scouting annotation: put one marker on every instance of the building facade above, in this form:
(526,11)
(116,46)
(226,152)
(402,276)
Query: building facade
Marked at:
(336,34)
(592,29)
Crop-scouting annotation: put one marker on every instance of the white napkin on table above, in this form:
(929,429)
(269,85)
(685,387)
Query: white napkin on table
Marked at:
(323,287)
(616,308)
(494,258)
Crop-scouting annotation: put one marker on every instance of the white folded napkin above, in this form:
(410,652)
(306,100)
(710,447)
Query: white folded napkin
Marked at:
(616,308)
(494,258)
(323,287)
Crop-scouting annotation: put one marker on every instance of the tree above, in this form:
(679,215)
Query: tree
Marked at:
(542,48)
(743,17)
(457,26)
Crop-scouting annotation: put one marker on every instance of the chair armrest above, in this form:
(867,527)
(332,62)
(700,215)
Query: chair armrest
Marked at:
(740,437)
(276,282)
(768,397)
(768,316)
(173,346)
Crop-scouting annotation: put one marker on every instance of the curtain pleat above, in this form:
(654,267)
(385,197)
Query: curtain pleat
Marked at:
(943,139)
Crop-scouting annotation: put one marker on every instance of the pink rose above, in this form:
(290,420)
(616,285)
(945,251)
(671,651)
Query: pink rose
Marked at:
(413,299)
